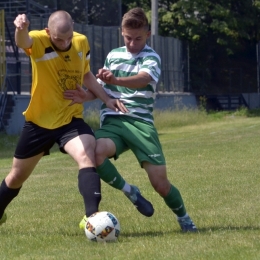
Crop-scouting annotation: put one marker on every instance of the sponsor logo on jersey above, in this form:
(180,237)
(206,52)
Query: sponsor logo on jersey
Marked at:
(67,58)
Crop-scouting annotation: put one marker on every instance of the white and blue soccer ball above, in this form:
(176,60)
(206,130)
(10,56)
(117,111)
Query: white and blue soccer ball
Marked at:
(102,226)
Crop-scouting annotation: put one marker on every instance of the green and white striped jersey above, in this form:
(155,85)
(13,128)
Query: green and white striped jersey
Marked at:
(138,101)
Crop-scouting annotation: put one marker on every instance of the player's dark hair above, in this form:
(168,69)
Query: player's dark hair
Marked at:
(135,19)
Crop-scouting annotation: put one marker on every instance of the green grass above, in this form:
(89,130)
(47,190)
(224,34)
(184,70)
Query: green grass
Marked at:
(212,158)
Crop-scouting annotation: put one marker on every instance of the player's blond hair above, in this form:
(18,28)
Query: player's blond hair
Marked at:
(135,19)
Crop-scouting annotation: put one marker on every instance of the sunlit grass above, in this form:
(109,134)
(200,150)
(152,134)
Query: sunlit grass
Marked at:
(212,158)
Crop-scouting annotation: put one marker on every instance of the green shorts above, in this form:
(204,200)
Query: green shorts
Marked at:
(130,133)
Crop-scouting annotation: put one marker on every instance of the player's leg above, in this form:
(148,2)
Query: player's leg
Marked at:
(78,141)
(82,150)
(105,148)
(171,195)
(33,143)
(11,185)
(148,150)
(110,144)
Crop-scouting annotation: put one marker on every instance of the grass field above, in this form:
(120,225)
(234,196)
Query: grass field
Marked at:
(212,159)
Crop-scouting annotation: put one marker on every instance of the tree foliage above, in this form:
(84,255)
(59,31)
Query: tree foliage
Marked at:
(226,22)
(221,34)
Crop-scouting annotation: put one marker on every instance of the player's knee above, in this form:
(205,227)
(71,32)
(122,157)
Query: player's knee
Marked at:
(162,187)
(99,158)
(15,180)
(100,152)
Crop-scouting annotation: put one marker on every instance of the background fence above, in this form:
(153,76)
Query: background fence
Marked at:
(2,47)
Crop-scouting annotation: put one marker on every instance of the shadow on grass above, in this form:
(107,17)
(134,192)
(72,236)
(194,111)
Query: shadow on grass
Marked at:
(143,234)
(200,231)
(243,111)
(6,231)
(230,228)
(253,113)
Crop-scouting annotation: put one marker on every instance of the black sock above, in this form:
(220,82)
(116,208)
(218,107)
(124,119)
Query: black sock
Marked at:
(90,189)
(6,196)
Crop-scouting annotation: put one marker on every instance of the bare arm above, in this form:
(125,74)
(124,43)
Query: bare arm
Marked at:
(90,82)
(142,79)
(79,95)
(22,38)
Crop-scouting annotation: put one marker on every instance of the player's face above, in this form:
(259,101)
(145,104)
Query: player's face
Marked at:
(135,39)
(61,41)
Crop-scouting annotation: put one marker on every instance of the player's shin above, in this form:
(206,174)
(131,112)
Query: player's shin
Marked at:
(6,196)
(90,189)
(174,202)
(109,174)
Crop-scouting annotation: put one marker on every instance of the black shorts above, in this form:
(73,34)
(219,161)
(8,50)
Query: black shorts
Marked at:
(35,140)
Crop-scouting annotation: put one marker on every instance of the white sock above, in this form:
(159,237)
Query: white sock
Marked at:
(126,188)
(186,215)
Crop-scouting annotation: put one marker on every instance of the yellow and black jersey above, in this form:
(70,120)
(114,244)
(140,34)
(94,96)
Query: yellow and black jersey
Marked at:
(52,73)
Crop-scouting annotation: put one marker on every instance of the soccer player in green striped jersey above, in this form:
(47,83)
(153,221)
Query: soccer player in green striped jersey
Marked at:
(130,74)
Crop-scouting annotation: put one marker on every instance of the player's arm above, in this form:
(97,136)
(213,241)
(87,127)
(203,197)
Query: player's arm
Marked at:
(141,80)
(90,82)
(78,95)
(22,38)
(94,90)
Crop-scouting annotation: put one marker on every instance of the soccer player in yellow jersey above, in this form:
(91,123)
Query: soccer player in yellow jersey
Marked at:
(60,61)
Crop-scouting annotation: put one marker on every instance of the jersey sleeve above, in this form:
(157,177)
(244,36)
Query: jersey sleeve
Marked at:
(152,66)
(35,38)
(87,58)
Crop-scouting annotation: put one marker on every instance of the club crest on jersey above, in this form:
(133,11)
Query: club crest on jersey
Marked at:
(80,55)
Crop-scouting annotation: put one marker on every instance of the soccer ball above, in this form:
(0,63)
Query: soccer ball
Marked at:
(102,226)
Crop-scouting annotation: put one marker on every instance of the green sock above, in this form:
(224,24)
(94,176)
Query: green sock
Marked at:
(174,201)
(109,174)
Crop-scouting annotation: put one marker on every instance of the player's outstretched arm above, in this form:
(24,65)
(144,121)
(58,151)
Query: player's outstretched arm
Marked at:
(22,38)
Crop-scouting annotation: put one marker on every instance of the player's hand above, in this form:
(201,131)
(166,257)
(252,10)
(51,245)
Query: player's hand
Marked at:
(21,22)
(106,76)
(116,105)
(77,95)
